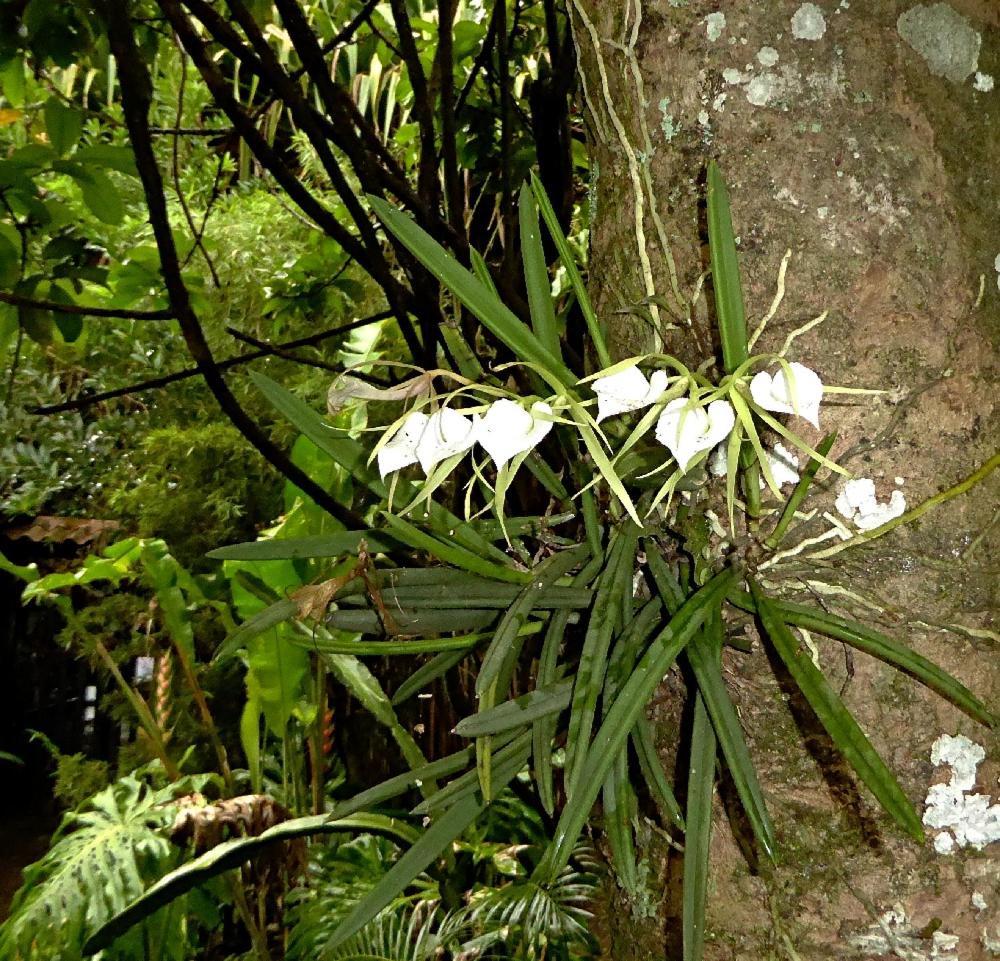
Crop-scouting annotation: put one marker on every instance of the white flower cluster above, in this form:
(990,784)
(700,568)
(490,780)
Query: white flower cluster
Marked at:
(505,430)
(686,427)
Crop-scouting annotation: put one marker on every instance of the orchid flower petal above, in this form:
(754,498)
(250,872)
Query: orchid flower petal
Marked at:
(781,461)
(507,429)
(627,390)
(447,433)
(776,392)
(686,431)
(401,449)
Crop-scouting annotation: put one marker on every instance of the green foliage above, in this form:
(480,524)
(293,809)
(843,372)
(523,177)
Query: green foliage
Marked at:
(77,777)
(102,856)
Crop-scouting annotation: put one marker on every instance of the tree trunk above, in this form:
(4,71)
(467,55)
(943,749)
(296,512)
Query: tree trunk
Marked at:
(843,143)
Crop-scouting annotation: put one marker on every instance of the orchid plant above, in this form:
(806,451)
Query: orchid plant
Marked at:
(591,599)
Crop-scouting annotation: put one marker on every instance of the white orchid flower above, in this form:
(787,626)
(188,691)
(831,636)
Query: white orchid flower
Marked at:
(447,433)
(686,430)
(507,429)
(401,450)
(628,390)
(799,394)
(858,503)
(783,464)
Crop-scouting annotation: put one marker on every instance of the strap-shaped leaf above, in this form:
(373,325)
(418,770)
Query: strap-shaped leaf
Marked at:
(293,548)
(229,855)
(432,844)
(436,667)
(493,314)
(704,654)
(536,274)
(431,621)
(604,621)
(619,810)
(698,834)
(624,713)
(450,553)
(879,645)
(653,773)
(519,711)
(572,271)
(838,721)
(725,272)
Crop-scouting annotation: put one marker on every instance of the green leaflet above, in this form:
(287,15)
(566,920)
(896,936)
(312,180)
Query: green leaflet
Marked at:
(229,855)
(624,713)
(698,833)
(837,720)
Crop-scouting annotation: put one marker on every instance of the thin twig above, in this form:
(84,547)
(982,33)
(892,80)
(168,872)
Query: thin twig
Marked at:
(155,383)
(17,300)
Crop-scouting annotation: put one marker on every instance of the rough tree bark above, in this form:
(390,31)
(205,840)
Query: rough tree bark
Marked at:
(843,143)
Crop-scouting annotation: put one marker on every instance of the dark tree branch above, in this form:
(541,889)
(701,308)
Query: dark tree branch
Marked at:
(449,154)
(266,350)
(136,93)
(121,313)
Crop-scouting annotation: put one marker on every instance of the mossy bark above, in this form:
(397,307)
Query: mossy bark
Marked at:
(883,180)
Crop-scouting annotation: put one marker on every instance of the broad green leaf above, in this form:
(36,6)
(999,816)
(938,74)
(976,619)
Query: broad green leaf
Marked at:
(536,274)
(518,712)
(101,196)
(63,124)
(698,832)
(725,273)
(496,317)
(837,720)
(623,715)
(230,855)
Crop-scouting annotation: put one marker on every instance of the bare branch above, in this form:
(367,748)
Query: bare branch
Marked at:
(121,313)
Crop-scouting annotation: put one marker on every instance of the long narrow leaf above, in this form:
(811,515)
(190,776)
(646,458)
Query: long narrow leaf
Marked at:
(799,494)
(293,548)
(624,713)
(271,616)
(698,834)
(653,773)
(838,721)
(725,273)
(494,315)
(518,712)
(619,809)
(229,855)
(536,274)
(704,655)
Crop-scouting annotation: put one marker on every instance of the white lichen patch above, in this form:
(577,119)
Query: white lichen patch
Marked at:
(763,89)
(732,76)
(983,82)
(715,23)
(943,37)
(719,104)
(894,935)
(667,123)
(962,818)
(859,504)
(808,23)
(767,56)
